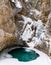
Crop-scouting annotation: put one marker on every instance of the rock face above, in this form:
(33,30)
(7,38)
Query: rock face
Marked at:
(48,25)
(22,22)
(45,37)
(6,17)
(6,39)
(44,7)
(7,25)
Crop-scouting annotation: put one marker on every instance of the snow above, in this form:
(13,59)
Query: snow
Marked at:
(4,56)
(17,3)
(27,33)
(38,13)
(40,28)
(50,46)
(42,59)
(49,16)
(12,0)
(26,0)
(40,33)
(27,19)
(35,41)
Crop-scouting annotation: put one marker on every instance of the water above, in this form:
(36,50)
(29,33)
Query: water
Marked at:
(24,55)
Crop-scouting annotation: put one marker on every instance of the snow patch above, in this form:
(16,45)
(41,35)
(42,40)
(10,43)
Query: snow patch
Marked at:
(26,0)
(38,13)
(27,33)
(17,3)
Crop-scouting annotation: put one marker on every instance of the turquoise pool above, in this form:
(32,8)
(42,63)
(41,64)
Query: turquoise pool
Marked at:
(24,54)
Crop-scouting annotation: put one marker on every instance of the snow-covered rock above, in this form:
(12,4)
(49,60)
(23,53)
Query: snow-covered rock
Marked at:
(32,31)
(17,3)
(28,32)
(38,13)
(39,25)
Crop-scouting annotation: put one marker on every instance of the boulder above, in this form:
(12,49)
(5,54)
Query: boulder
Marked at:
(7,39)
(6,17)
(44,7)
(7,25)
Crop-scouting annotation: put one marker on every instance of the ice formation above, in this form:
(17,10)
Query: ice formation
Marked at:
(36,33)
